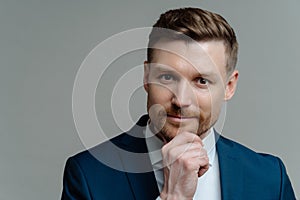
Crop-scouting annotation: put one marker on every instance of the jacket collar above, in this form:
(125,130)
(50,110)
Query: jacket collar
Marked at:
(230,169)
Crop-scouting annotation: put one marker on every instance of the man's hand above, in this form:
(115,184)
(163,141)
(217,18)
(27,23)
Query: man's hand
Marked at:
(185,160)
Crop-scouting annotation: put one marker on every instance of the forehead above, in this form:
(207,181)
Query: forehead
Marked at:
(207,57)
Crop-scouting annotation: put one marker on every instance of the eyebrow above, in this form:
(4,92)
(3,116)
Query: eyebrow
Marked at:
(165,68)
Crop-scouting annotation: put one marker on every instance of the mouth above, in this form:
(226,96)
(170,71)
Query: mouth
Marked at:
(179,118)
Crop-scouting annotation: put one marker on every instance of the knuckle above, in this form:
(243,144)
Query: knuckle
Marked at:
(188,164)
(203,152)
(180,159)
(187,135)
(198,148)
(203,161)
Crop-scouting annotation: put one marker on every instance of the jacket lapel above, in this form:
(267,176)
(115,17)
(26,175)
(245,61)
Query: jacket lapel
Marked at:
(140,174)
(230,170)
(137,164)
(143,185)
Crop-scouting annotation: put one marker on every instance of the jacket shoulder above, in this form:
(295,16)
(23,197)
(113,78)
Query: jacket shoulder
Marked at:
(246,154)
(93,173)
(263,172)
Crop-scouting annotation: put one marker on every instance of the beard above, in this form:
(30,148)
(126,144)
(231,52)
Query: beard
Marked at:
(166,130)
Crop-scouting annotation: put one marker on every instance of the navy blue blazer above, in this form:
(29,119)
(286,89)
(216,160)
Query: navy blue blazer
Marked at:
(244,173)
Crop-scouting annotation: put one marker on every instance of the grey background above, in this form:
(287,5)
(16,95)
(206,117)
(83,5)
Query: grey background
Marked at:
(43,43)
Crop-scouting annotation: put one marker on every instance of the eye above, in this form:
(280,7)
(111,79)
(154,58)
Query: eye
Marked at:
(166,77)
(202,81)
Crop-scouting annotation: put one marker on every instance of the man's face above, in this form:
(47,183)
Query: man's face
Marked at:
(186,85)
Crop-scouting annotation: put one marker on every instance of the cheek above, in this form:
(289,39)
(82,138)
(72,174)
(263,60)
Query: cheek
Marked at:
(158,95)
(204,101)
(216,104)
(209,102)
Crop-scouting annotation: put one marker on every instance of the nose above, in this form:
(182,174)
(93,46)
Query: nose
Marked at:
(183,95)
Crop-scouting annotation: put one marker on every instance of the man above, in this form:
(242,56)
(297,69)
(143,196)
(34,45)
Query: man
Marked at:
(174,152)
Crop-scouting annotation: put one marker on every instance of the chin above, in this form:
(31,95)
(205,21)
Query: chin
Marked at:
(168,132)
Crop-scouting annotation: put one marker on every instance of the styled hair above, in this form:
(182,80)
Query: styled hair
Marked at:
(198,25)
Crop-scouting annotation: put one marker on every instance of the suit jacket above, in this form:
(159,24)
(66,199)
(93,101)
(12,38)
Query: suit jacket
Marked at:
(244,174)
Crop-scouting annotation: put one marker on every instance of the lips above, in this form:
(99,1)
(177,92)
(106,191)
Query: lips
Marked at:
(179,118)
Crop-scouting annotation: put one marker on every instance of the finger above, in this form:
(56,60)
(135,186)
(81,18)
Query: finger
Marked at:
(185,137)
(181,139)
(196,156)
(188,147)
(197,149)
(192,155)
(188,165)
(203,153)
(204,165)
(203,170)
(174,153)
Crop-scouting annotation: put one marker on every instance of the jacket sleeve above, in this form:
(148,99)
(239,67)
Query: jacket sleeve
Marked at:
(286,191)
(74,182)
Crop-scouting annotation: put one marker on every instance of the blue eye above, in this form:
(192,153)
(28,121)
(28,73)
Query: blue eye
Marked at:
(166,77)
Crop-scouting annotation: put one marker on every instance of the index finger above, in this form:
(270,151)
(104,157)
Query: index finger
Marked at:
(185,137)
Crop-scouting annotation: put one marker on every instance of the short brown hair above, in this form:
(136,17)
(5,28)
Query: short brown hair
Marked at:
(198,25)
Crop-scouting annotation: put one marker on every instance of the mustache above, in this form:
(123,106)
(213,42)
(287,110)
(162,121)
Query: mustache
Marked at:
(184,113)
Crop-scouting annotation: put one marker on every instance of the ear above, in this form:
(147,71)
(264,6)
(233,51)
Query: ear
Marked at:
(146,76)
(231,85)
